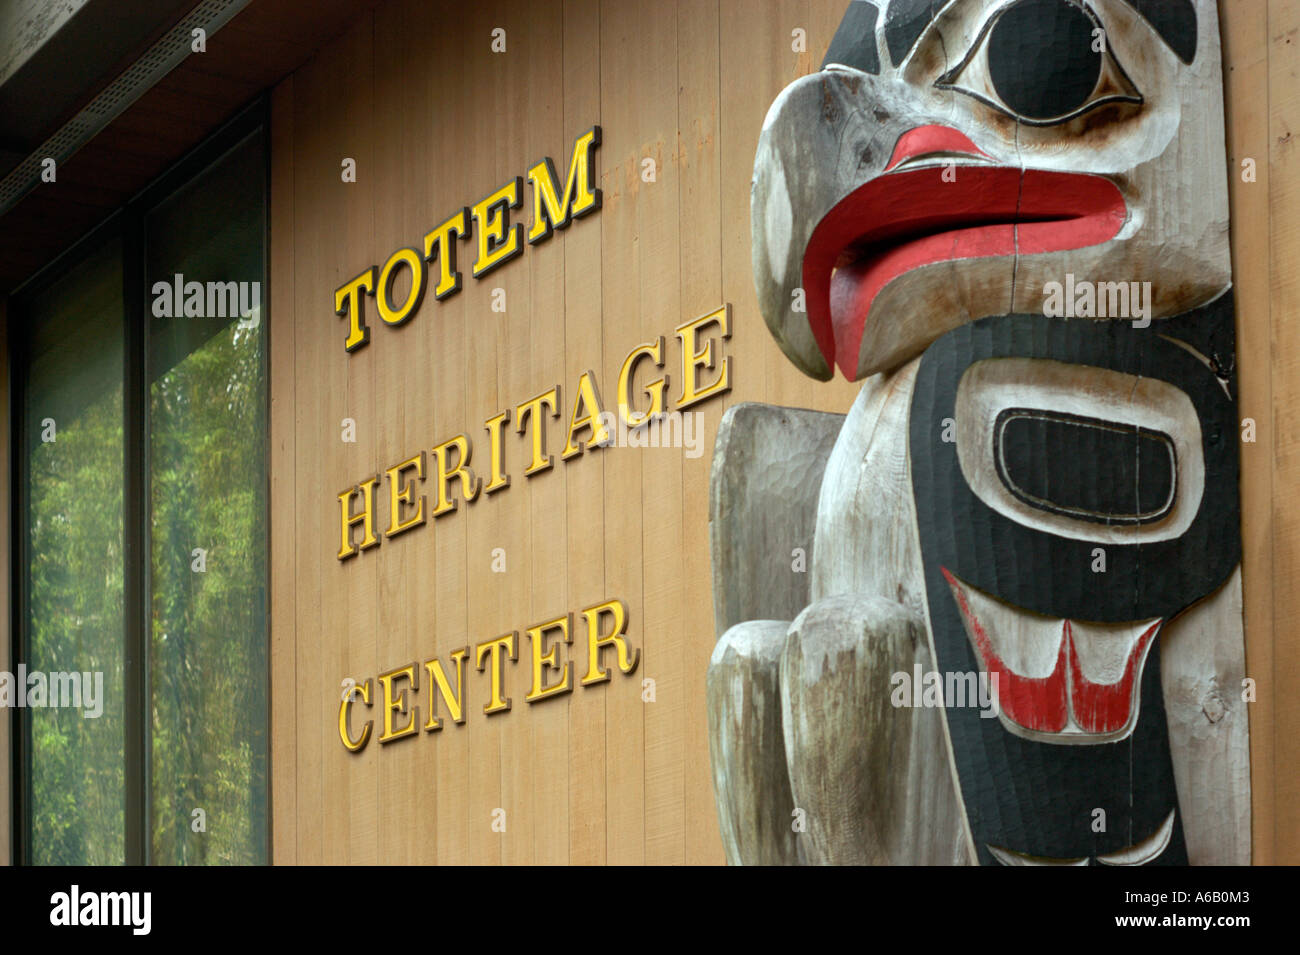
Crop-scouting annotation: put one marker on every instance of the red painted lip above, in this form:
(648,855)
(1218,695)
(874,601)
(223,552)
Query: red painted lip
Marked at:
(908,218)
(1047,704)
(931,140)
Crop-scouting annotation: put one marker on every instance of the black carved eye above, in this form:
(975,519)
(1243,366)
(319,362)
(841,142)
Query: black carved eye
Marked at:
(1042,62)
(1101,471)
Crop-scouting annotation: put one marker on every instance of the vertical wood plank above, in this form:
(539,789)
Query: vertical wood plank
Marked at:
(447,615)
(584,337)
(283,473)
(522,363)
(491,133)
(401,104)
(542,775)
(700,245)
(1244,28)
(1284,242)
(338,813)
(312,242)
(350,596)
(634,41)
(662,641)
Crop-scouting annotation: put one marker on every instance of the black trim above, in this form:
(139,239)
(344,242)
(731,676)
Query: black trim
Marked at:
(19,776)
(135,544)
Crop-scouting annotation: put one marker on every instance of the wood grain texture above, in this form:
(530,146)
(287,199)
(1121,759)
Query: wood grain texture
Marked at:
(1284,297)
(584,337)
(747,746)
(444,591)
(284,617)
(1208,727)
(872,779)
(1246,114)
(699,255)
(658,242)
(351,594)
(633,39)
(491,132)
(308,233)
(768,464)
(401,193)
(546,561)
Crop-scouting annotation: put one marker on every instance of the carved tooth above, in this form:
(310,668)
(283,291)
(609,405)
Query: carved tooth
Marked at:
(1104,648)
(1146,850)
(1012,857)
(1029,644)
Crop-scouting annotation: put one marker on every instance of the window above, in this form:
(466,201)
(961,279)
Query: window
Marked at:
(141,454)
(72,482)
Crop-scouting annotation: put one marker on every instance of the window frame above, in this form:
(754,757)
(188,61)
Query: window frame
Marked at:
(126,223)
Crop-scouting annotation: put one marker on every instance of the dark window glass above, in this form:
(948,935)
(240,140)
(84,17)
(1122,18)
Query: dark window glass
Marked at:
(170,388)
(73,444)
(207,507)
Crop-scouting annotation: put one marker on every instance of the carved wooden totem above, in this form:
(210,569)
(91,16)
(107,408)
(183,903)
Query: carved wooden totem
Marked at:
(1018,638)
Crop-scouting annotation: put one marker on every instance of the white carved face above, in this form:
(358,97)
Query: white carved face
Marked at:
(953,160)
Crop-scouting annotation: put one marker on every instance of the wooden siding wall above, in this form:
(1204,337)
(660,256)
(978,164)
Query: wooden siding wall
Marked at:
(435,120)
(1261,41)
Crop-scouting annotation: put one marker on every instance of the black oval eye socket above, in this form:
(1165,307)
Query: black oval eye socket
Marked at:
(1101,471)
(1042,62)
(1044,57)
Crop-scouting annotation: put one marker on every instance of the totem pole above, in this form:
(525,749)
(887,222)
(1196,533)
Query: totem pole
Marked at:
(1018,636)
